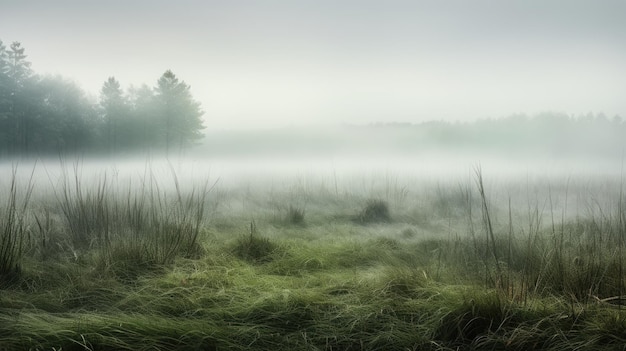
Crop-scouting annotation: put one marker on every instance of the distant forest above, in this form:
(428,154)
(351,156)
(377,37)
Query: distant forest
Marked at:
(44,115)
(545,135)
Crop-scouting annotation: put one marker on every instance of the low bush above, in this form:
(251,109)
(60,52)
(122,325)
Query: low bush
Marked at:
(295,215)
(375,211)
(254,248)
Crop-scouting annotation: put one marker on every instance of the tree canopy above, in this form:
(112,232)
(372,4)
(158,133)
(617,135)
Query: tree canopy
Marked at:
(52,115)
(179,113)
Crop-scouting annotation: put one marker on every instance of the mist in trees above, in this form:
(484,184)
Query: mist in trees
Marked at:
(179,118)
(43,115)
(51,115)
(16,92)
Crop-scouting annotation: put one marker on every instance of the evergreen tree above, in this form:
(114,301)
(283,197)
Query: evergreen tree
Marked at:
(4,65)
(147,133)
(180,113)
(18,68)
(51,114)
(5,99)
(66,120)
(19,76)
(115,114)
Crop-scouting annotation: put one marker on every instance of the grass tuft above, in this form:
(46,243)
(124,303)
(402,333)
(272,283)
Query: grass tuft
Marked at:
(254,248)
(375,211)
(295,215)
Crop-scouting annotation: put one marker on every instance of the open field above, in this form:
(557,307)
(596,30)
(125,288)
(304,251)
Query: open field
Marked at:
(313,256)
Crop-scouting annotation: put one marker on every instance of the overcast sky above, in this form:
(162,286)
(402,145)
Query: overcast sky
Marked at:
(289,62)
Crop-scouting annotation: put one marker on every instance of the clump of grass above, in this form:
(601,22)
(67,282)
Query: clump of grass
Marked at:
(408,233)
(254,248)
(480,315)
(138,228)
(126,260)
(49,239)
(87,212)
(375,211)
(403,282)
(295,215)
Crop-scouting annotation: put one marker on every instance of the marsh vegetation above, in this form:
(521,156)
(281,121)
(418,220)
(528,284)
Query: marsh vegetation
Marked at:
(177,256)
(387,175)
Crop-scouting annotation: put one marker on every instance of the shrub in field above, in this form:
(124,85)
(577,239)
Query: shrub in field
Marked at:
(295,215)
(254,248)
(375,210)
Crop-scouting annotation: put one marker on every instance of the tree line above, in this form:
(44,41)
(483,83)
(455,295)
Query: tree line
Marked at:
(547,134)
(42,115)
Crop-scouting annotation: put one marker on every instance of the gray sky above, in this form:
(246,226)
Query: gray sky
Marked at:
(290,62)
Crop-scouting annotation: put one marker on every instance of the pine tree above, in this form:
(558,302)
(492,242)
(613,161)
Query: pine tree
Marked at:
(18,68)
(115,112)
(5,100)
(180,114)
(143,109)
(19,74)
(66,120)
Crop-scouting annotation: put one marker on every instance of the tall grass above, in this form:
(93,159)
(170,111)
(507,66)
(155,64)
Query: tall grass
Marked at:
(490,248)
(580,260)
(14,227)
(133,226)
(86,210)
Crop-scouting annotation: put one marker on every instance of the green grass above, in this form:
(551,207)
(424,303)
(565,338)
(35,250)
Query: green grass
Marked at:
(105,265)
(14,228)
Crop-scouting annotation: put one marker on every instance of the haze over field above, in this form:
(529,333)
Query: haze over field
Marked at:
(312,175)
(275,63)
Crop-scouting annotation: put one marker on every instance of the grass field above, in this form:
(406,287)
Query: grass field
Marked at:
(172,257)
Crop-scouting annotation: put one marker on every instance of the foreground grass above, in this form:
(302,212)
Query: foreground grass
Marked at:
(340,296)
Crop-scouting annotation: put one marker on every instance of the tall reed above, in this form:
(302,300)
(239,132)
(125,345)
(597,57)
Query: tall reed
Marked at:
(490,249)
(14,227)
(134,226)
(87,211)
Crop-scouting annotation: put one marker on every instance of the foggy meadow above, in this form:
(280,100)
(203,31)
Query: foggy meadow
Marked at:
(292,248)
(312,176)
